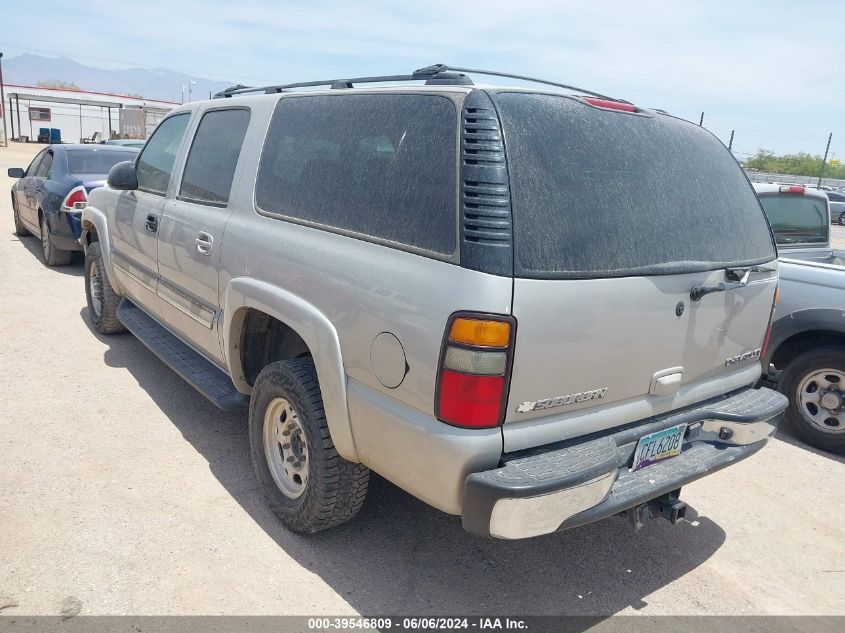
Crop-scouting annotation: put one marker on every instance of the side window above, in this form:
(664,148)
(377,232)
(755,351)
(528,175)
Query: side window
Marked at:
(33,166)
(211,163)
(44,166)
(381,166)
(155,163)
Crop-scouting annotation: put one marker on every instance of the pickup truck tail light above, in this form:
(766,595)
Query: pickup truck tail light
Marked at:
(769,327)
(791,189)
(474,372)
(76,199)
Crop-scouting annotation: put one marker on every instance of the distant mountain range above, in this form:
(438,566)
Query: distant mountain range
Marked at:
(153,84)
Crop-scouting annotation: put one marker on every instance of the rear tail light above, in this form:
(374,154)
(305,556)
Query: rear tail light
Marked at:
(791,189)
(76,199)
(474,372)
(612,105)
(768,336)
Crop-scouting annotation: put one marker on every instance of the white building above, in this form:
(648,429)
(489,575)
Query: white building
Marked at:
(79,114)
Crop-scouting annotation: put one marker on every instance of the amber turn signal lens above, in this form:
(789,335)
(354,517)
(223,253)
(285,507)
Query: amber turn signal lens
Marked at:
(479,332)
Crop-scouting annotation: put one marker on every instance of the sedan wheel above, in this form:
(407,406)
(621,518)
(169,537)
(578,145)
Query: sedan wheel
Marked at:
(842,219)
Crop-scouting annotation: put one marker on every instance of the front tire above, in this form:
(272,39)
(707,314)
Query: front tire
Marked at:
(308,486)
(53,256)
(20,229)
(101,297)
(814,382)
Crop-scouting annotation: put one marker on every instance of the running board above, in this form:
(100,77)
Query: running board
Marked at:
(201,374)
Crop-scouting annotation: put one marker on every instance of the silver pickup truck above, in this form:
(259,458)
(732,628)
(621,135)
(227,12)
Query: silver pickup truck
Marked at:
(433,280)
(806,352)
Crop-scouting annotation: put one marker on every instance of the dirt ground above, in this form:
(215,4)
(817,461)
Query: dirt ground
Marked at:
(122,491)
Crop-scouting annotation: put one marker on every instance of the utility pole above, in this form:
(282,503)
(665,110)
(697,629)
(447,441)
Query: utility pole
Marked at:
(3,104)
(731,142)
(824,160)
(701,120)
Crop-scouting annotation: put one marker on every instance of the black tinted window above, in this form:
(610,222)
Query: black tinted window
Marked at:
(835,197)
(214,153)
(95,161)
(378,165)
(796,219)
(156,160)
(601,193)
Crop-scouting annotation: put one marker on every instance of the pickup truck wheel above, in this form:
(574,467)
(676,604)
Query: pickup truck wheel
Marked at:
(20,229)
(102,300)
(306,483)
(814,382)
(52,256)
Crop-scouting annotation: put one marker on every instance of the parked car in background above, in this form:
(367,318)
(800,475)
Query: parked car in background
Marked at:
(49,194)
(398,290)
(126,142)
(837,207)
(805,357)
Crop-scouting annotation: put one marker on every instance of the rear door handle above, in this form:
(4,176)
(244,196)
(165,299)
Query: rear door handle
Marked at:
(152,223)
(205,242)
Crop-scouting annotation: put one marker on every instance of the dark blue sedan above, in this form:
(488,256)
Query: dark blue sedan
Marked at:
(48,197)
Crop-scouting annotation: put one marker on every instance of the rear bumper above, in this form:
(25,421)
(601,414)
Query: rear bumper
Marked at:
(564,485)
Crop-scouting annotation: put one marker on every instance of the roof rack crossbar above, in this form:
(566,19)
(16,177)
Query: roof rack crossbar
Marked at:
(435,74)
(438,68)
(347,83)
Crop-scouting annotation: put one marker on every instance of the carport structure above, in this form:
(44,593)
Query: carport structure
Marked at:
(79,114)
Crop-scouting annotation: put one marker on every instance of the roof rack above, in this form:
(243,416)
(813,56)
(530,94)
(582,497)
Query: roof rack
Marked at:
(437,74)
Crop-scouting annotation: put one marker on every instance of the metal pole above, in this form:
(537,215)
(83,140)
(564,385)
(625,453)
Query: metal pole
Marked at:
(11,120)
(3,104)
(731,142)
(701,120)
(824,160)
(80,123)
(110,123)
(18,110)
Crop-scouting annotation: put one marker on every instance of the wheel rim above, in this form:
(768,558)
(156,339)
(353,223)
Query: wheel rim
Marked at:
(842,219)
(821,400)
(286,448)
(95,287)
(45,238)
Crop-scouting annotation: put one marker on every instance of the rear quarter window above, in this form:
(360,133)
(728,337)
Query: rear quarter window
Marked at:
(600,193)
(375,166)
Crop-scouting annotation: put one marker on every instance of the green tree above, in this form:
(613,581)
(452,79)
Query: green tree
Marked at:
(58,83)
(800,164)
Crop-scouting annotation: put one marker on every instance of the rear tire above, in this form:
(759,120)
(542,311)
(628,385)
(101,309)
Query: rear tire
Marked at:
(53,256)
(308,486)
(101,297)
(804,381)
(20,229)
(842,219)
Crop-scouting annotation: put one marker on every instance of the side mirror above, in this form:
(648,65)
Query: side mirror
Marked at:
(123,177)
(16,172)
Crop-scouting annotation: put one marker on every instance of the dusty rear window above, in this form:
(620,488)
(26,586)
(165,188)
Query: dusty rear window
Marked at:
(599,193)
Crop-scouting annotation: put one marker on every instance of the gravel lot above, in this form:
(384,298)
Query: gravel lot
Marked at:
(122,491)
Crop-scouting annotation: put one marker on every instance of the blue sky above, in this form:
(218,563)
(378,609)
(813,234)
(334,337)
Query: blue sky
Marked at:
(771,70)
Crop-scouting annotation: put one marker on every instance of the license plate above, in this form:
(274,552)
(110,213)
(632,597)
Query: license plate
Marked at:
(659,446)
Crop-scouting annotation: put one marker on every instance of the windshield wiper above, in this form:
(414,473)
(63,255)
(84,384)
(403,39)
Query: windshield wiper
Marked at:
(738,278)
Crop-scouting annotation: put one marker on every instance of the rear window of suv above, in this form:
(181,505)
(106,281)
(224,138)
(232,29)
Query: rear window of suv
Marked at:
(599,193)
(381,167)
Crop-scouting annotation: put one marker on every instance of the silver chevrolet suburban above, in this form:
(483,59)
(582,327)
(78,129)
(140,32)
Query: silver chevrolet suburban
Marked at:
(529,307)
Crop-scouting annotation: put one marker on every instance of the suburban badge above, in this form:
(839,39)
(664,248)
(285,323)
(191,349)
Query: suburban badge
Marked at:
(560,401)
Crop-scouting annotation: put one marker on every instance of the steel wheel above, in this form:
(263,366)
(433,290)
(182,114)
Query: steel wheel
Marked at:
(821,398)
(96,287)
(286,448)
